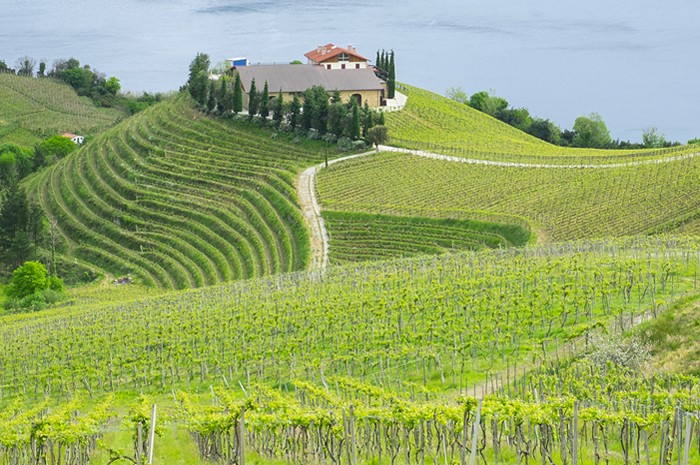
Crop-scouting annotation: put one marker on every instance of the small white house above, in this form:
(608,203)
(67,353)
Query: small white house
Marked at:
(77,140)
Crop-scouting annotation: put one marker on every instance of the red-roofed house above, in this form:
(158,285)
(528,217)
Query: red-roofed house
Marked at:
(77,140)
(331,56)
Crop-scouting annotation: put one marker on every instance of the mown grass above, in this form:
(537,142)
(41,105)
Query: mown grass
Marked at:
(34,108)
(358,236)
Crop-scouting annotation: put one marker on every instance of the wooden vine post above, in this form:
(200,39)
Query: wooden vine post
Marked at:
(152,435)
(475,435)
(241,436)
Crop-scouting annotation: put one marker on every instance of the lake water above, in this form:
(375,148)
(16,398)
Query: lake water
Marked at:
(633,62)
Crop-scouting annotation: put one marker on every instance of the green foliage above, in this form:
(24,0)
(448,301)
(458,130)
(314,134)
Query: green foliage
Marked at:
(355,126)
(545,130)
(377,135)
(15,163)
(486,103)
(295,111)
(237,94)
(253,100)
(653,139)
(278,108)
(49,151)
(22,229)
(591,132)
(28,279)
(198,82)
(457,94)
(265,101)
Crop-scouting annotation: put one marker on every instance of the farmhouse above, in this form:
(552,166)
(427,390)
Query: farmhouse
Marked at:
(77,140)
(333,57)
(331,67)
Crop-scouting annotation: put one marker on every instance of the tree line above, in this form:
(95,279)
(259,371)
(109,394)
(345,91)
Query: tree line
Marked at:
(386,63)
(86,81)
(315,113)
(589,131)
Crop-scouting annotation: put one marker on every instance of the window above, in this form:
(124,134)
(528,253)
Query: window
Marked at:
(357,66)
(342,66)
(343,57)
(328,66)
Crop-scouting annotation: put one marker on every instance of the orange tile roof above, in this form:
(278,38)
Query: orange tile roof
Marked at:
(331,51)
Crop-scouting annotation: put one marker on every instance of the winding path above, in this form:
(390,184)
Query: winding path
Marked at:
(311,210)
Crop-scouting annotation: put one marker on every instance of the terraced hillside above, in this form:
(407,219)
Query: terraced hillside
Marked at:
(32,108)
(180,199)
(438,124)
(359,237)
(558,203)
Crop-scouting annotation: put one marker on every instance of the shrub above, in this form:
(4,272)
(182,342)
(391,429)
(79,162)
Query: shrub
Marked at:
(631,353)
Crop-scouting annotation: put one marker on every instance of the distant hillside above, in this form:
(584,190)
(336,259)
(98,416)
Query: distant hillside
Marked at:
(439,124)
(33,108)
(180,199)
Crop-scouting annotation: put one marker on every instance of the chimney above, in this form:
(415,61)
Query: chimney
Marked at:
(350,48)
(319,49)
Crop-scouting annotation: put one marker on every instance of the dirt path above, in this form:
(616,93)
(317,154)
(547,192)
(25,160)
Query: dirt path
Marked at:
(475,161)
(311,210)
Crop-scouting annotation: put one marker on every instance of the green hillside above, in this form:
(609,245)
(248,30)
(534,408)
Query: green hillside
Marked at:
(180,199)
(33,108)
(438,124)
(397,347)
(558,203)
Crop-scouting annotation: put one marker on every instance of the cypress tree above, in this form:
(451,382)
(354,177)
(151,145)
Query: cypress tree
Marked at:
(253,100)
(278,108)
(237,95)
(367,119)
(265,102)
(355,124)
(377,61)
(391,83)
(211,100)
(294,110)
(227,97)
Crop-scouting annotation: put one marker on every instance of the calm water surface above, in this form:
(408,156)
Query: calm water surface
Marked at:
(634,62)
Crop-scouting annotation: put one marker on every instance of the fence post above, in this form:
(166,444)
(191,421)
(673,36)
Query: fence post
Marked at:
(152,435)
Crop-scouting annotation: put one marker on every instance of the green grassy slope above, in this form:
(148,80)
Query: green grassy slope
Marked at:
(435,123)
(180,199)
(32,108)
(559,203)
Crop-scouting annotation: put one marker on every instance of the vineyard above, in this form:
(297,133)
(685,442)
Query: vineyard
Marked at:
(437,124)
(32,108)
(359,237)
(180,200)
(558,203)
(376,363)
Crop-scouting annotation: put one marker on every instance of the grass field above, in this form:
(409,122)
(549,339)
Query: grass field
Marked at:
(435,123)
(33,108)
(559,204)
(181,200)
